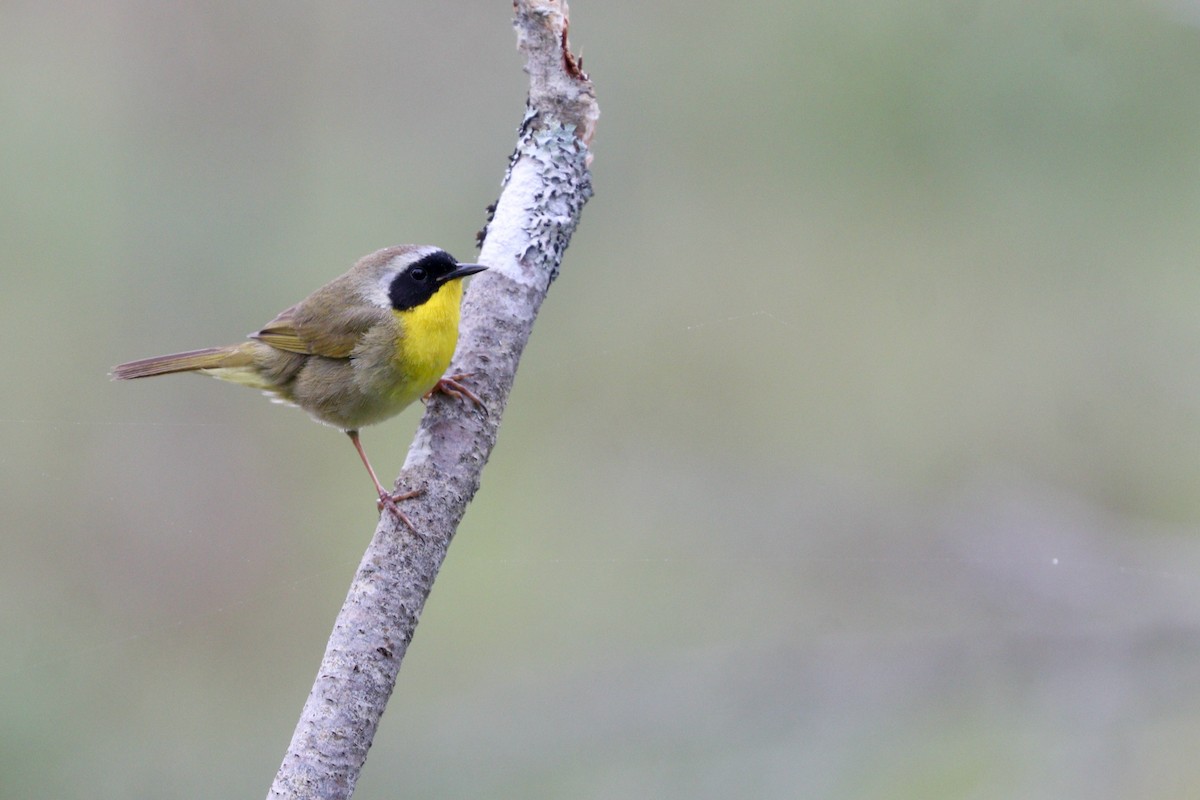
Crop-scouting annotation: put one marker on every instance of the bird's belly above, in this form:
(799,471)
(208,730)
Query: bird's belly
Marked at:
(384,393)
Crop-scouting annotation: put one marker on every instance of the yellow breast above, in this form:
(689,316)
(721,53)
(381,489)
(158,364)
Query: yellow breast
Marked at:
(428,335)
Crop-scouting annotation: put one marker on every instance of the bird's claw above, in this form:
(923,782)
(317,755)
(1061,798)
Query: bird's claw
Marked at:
(391,501)
(450,385)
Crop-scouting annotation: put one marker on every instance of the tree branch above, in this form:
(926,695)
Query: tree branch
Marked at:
(544,191)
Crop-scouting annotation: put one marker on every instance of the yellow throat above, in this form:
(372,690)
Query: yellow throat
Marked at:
(428,335)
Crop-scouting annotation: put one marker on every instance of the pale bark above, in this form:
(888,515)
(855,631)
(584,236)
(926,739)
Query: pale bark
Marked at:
(545,188)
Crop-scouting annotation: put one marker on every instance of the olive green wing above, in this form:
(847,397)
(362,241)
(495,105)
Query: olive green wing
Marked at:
(327,331)
(283,334)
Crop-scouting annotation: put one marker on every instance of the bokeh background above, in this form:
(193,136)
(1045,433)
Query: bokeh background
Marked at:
(856,453)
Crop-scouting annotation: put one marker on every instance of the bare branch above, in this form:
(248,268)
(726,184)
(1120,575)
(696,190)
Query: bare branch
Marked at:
(544,191)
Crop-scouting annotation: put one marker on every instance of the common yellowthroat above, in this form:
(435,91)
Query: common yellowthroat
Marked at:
(354,352)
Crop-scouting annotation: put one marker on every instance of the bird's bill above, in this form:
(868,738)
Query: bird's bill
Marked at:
(462,271)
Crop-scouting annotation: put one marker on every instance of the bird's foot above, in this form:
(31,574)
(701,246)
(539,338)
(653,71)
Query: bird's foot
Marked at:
(450,386)
(391,501)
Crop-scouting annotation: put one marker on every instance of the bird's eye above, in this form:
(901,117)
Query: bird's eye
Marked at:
(418,274)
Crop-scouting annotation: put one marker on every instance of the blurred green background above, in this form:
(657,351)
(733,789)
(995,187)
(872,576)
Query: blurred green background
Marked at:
(856,453)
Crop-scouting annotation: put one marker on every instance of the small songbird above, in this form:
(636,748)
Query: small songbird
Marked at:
(354,352)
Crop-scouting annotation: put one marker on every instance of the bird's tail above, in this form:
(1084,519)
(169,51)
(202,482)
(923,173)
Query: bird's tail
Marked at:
(233,356)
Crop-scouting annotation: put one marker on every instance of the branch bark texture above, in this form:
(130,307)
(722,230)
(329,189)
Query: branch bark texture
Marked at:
(544,190)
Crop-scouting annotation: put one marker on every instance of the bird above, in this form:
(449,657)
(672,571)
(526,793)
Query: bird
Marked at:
(355,352)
